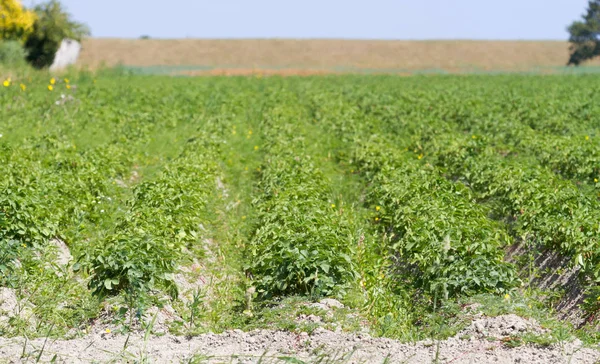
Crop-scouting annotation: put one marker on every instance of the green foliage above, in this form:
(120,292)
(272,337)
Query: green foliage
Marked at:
(10,251)
(444,243)
(142,250)
(398,195)
(12,53)
(585,35)
(53,24)
(302,243)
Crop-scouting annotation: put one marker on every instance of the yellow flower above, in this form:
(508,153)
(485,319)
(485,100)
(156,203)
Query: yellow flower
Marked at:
(243,217)
(596,180)
(332,205)
(378,208)
(24,246)
(256,147)
(474,137)
(507,296)
(6,83)
(420,156)
(66,80)
(376,219)
(50,88)
(52,81)
(107,331)
(23,87)
(587,137)
(249,132)
(68,87)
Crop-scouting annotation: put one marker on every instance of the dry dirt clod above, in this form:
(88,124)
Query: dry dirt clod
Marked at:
(11,306)
(63,253)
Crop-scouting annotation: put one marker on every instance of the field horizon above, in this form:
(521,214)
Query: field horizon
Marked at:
(324,56)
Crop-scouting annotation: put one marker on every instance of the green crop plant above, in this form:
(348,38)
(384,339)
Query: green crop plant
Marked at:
(398,196)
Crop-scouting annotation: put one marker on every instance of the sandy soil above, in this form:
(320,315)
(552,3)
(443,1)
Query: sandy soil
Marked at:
(484,341)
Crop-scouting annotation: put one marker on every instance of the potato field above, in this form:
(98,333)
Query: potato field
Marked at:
(235,202)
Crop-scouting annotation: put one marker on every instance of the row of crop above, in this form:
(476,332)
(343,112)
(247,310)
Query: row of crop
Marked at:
(541,206)
(444,243)
(574,157)
(50,190)
(302,242)
(162,221)
(518,172)
(521,121)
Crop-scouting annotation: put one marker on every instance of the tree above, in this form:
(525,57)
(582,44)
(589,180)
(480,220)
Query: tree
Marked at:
(53,24)
(585,35)
(16,23)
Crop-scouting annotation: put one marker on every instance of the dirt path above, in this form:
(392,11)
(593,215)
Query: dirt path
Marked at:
(482,342)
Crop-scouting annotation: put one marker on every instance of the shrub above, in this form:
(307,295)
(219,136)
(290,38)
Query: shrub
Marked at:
(53,24)
(15,22)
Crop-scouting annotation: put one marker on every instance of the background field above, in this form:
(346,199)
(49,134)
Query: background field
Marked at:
(288,56)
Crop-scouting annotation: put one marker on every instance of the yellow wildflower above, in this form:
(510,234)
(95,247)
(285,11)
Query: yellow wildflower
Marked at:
(596,180)
(68,87)
(107,331)
(474,137)
(420,156)
(52,81)
(6,83)
(376,219)
(587,137)
(507,296)
(332,205)
(66,80)
(50,88)
(378,208)
(23,87)
(256,147)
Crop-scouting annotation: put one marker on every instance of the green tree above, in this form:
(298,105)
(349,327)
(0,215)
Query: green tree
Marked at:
(585,35)
(53,24)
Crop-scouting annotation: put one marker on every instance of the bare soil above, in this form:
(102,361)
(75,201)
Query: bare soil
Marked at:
(326,55)
(486,340)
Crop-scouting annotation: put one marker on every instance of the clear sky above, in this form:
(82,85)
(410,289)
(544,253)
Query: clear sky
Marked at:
(374,19)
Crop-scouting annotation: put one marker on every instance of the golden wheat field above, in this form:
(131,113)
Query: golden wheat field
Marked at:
(289,56)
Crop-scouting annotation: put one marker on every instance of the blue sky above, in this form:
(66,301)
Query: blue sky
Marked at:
(374,19)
